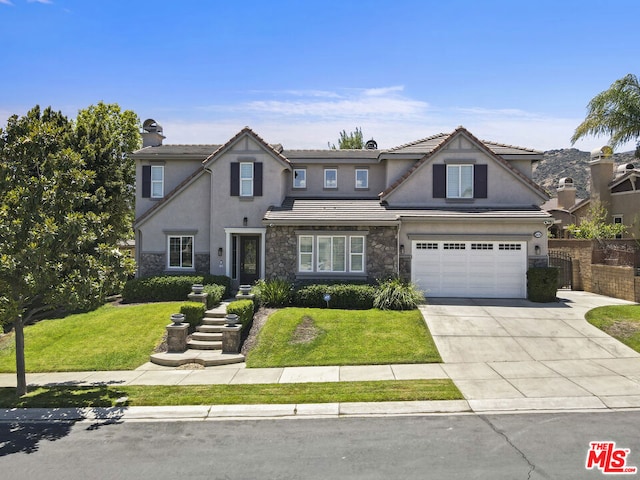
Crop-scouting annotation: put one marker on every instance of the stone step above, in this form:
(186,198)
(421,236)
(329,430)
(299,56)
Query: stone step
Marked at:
(207,358)
(204,345)
(215,313)
(207,336)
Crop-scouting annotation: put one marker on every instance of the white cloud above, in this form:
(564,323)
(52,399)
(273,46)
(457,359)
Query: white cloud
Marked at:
(6,2)
(44,2)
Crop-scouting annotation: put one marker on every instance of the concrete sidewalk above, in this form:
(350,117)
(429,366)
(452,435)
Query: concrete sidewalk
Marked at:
(504,355)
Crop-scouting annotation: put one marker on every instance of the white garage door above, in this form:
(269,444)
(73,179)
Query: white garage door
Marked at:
(473,269)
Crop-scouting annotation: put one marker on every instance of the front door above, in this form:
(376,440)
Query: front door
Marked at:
(249,259)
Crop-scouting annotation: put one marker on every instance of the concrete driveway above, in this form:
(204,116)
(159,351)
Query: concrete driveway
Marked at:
(516,349)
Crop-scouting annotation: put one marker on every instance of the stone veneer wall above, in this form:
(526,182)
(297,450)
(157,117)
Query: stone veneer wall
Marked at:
(612,281)
(281,250)
(156,264)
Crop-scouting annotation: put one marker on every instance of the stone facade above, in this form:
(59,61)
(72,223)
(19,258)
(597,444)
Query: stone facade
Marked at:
(281,250)
(203,262)
(405,267)
(151,264)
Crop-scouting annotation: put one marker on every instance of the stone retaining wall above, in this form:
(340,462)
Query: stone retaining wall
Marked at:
(618,282)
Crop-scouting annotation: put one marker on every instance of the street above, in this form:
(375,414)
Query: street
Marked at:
(510,446)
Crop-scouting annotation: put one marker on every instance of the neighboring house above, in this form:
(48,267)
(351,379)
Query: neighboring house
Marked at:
(617,190)
(456,215)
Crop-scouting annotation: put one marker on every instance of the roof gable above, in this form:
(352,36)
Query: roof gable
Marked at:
(273,150)
(439,142)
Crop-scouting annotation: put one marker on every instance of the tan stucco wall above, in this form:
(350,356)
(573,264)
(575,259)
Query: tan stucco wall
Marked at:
(627,205)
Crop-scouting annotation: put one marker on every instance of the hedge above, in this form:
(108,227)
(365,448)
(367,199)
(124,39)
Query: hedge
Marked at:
(193,314)
(214,294)
(168,288)
(542,284)
(244,309)
(343,295)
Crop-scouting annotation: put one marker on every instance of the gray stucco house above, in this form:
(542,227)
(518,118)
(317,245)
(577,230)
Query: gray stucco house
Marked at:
(457,215)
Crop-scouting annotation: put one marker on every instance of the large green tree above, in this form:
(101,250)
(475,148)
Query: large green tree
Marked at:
(614,112)
(56,252)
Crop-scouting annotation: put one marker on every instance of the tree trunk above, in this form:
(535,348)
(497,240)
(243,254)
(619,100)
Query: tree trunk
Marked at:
(20,365)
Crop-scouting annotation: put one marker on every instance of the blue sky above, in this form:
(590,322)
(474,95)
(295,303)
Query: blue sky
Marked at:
(299,72)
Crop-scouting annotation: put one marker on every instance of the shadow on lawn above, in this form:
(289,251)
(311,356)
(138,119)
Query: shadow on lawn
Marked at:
(50,412)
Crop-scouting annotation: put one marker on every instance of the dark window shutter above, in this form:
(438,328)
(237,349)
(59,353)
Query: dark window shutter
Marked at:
(235,179)
(146,181)
(479,181)
(257,179)
(439,181)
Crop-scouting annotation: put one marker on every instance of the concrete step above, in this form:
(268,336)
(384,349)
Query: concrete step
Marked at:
(207,358)
(217,322)
(204,344)
(208,328)
(207,336)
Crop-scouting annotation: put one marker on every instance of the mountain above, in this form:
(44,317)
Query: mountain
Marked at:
(571,162)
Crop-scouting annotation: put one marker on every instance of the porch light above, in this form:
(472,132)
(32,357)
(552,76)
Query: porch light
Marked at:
(245,221)
(537,249)
(219,251)
(401,249)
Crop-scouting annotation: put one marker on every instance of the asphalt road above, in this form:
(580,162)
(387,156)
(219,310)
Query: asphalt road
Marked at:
(514,446)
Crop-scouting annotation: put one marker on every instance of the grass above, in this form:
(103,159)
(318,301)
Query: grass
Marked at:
(306,337)
(109,338)
(622,322)
(109,396)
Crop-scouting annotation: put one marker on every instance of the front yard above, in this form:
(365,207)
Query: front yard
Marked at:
(307,337)
(620,321)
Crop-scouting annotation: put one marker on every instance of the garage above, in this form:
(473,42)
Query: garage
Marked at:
(473,269)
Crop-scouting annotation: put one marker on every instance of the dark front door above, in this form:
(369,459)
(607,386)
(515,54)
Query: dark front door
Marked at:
(249,259)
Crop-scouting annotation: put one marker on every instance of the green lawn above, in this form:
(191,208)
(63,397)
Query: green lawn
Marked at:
(108,395)
(109,338)
(620,321)
(303,337)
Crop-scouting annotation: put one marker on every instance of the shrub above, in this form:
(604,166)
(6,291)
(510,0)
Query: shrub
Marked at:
(343,295)
(274,293)
(394,294)
(214,294)
(167,288)
(244,309)
(193,313)
(542,284)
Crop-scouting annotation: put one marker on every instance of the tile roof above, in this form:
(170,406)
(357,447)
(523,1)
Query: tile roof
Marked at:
(177,150)
(331,154)
(275,149)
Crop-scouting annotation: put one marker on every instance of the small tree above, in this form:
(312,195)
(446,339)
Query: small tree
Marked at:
(349,141)
(595,226)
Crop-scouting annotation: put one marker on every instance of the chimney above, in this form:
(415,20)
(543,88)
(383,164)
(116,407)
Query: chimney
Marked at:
(601,166)
(566,193)
(151,133)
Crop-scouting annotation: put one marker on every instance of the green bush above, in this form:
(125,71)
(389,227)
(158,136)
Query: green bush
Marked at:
(168,288)
(395,294)
(274,293)
(343,295)
(214,294)
(193,313)
(542,284)
(244,309)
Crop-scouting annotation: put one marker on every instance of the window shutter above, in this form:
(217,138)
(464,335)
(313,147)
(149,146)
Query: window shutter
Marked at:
(479,181)
(257,179)
(146,181)
(439,181)
(235,179)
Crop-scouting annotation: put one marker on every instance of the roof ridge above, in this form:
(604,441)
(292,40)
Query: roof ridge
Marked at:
(415,142)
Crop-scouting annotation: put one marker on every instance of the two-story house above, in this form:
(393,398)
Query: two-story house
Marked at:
(456,215)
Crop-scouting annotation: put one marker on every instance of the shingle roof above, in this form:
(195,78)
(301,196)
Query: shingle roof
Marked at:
(309,212)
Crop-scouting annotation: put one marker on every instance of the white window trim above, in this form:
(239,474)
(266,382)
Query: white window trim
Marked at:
(460,186)
(333,258)
(246,179)
(366,172)
(348,254)
(156,182)
(304,172)
(327,170)
(352,255)
(300,253)
(180,267)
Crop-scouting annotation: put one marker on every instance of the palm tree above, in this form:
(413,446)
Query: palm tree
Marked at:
(614,112)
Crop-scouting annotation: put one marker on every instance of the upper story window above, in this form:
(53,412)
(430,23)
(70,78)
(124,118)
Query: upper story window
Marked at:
(157,181)
(362,178)
(330,178)
(459,181)
(299,178)
(246,179)
(152,181)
